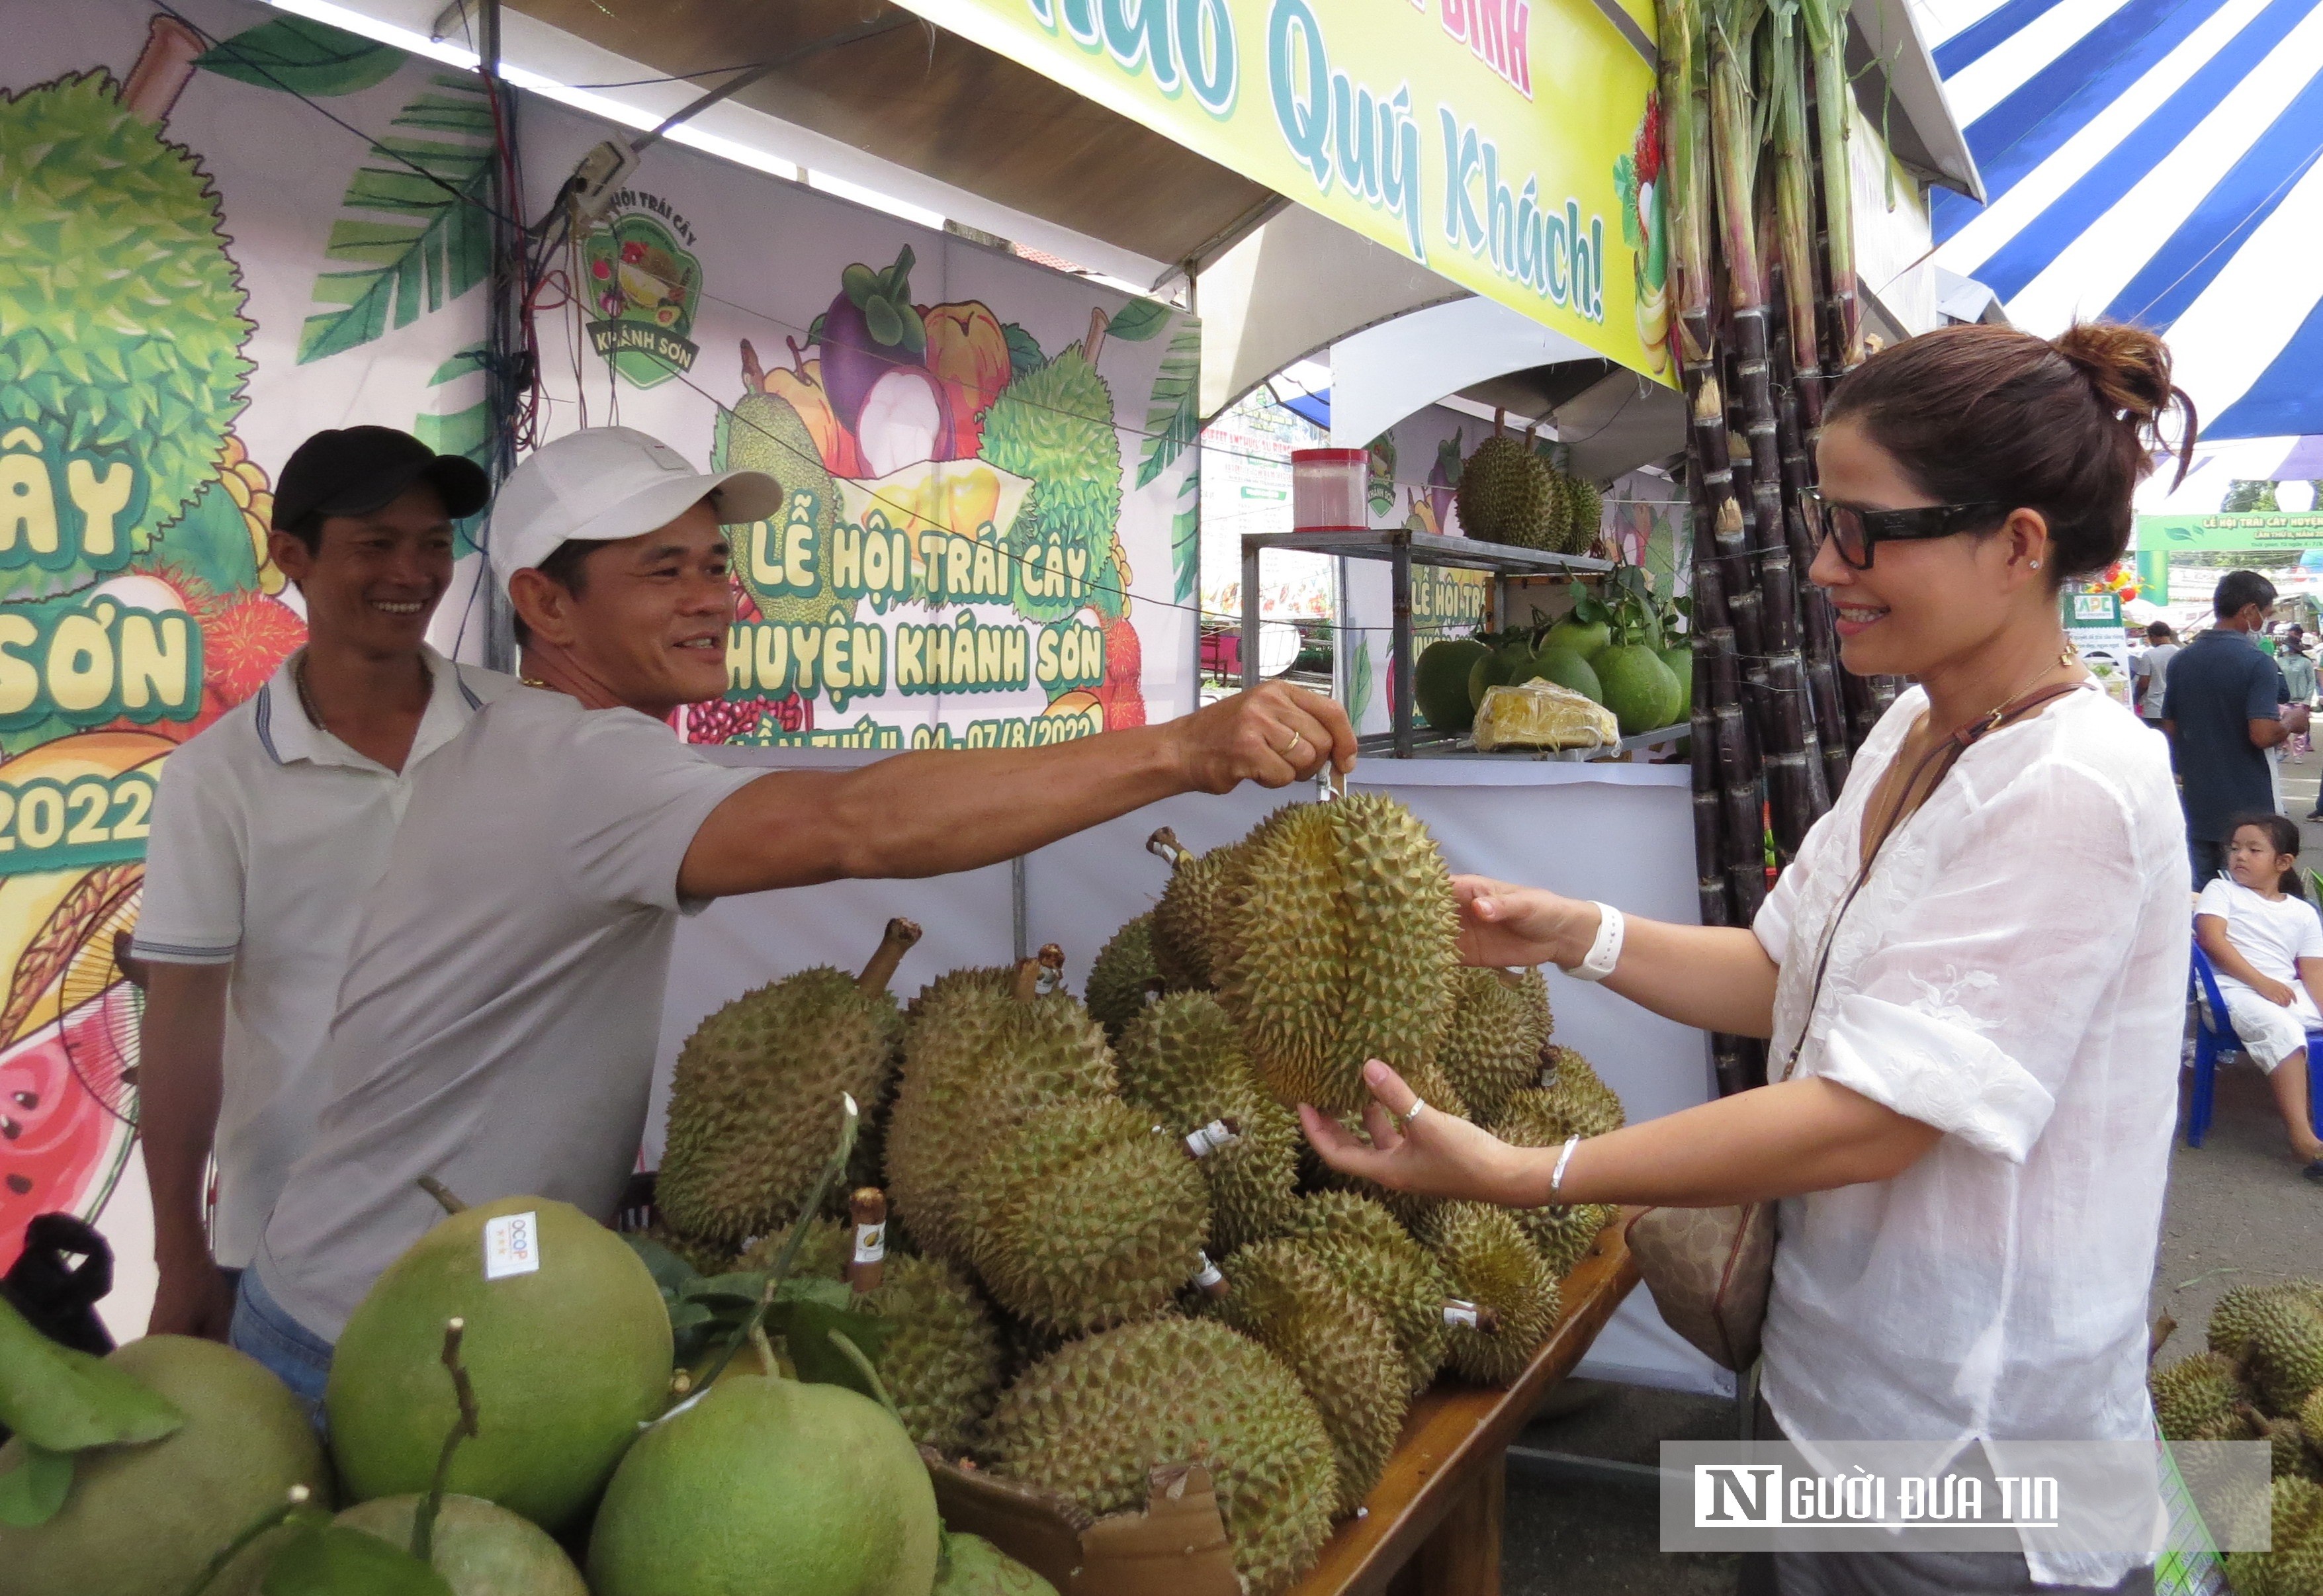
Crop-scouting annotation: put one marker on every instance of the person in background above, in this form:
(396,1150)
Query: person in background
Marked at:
(2297,669)
(2151,669)
(2266,945)
(270,828)
(2223,709)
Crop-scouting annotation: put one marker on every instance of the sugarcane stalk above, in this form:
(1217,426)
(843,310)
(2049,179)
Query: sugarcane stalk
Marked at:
(1797,507)
(1794,200)
(1826,30)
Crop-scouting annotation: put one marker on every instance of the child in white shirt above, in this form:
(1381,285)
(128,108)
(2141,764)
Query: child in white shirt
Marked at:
(2266,943)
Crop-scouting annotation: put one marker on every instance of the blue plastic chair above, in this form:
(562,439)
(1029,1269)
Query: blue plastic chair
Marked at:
(2214,1034)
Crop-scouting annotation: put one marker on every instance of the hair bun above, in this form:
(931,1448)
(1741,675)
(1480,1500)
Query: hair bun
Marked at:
(2129,369)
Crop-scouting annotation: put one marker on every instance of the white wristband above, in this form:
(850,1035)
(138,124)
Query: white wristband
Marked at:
(1603,953)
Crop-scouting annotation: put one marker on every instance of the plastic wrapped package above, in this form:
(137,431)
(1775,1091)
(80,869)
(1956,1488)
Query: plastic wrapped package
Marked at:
(1542,715)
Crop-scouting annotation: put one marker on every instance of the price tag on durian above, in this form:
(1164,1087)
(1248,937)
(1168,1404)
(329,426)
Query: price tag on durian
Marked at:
(512,1245)
(870,1242)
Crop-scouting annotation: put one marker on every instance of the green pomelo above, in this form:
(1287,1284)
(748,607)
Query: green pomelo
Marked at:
(769,1485)
(1583,638)
(567,1360)
(479,1548)
(1439,682)
(974,1566)
(1679,657)
(1640,689)
(145,1519)
(1490,671)
(1568,669)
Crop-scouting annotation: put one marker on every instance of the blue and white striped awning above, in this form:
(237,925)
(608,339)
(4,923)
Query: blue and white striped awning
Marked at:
(2154,161)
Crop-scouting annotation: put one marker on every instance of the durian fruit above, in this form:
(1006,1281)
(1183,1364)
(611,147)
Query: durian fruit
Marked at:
(942,1362)
(2310,1419)
(1563,1235)
(2294,1567)
(2194,1395)
(2287,1438)
(1536,1118)
(1124,977)
(1492,1044)
(1086,1215)
(2231,1321)
(1093,1420)
(1054,424)
(2284,1351)
(1182,1060)
(1579,1098)
(976,1061)
(1491,1264)
(1340,948)
(764,432)
(754,1103)
(1508,495)
(1585,515)
(1188,922)
(1281,1295)
(1361,1244)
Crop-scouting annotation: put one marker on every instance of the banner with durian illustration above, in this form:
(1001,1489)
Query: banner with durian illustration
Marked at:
(991,530)
(222,228)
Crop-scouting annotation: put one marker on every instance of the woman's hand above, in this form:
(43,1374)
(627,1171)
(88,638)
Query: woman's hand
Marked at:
(1508,927)
(2279,993)
(1437,1154)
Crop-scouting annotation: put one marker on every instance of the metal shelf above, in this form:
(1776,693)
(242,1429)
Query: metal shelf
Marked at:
(1427,743)
(1401,550)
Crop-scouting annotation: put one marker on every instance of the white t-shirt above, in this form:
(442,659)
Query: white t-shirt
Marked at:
(2014,973)
(2273,936)
(2153,665)
(267,832)
(497,1022)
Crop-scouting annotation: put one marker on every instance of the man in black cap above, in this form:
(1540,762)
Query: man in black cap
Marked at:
(270,829)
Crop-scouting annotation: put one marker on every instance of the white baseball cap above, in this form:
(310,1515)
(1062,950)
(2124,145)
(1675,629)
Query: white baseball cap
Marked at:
(604,483)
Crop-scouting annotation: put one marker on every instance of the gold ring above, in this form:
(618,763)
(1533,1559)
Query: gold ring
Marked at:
(1291,746)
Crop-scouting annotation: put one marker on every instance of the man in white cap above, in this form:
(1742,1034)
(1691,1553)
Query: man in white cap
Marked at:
(496,1028)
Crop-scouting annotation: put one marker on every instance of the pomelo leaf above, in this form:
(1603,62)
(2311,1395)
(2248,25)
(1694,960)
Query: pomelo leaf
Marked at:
(806,1328)
(302,57)
(333,1560)
(32,1492)
(61,1400)
(670,1271)
(1137,321)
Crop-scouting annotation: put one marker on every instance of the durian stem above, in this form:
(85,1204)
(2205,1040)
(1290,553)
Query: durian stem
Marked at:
(893,942)
(1164,845)
(423,1518)
(1028,980)
(781,1269)
(163,68)
(442,1194)
(754,375)
(854,1354)
(1098,321)
(293,1499)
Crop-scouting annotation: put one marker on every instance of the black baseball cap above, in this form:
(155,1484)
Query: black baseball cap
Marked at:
(352,470)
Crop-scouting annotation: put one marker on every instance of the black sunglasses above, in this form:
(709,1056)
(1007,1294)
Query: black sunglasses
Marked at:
(1856,531)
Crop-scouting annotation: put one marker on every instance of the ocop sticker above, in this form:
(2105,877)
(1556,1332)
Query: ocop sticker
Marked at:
(511,1246)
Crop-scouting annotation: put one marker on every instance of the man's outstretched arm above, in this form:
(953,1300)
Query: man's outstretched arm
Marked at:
(931,813)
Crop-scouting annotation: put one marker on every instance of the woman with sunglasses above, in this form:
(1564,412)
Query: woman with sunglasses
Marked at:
(1972,977)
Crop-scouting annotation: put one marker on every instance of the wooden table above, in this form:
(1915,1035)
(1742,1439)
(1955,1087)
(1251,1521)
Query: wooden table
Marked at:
(1432,1525)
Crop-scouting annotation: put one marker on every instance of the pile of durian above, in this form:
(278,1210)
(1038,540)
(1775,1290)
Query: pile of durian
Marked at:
(1111,1248)
(2261,1379)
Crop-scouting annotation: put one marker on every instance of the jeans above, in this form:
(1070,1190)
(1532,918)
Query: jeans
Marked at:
(299,1357)
(2209,861)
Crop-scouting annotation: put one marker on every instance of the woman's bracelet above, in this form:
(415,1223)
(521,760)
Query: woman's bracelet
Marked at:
(1557,1176)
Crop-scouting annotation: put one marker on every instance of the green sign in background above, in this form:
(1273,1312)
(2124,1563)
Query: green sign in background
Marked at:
(2229,533)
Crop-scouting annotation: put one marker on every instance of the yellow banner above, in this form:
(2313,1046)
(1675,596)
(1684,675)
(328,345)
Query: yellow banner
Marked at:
(1508,145)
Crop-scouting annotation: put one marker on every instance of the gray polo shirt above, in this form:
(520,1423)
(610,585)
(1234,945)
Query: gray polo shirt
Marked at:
(496,1024)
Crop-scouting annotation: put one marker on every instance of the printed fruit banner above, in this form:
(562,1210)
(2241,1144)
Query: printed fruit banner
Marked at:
(989,537)
(198,266)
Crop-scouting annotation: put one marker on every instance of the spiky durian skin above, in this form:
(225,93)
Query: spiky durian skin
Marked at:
(1085,1217)
(2294,1567)
(942,1361)
(2232,1320)
(1361,1243)
(975,1062)
(1340,945)
(754,1104)
(1188,921)
(1492,1044)
(2284,1351)
(1182,1060)
(1585,515)
(1563,1236)
(1579,1096)
(1535,1117)
(1091,1422)
(1491,1263)
(2193,1394)
(1281,1295)
(1507,494)
(1120,981)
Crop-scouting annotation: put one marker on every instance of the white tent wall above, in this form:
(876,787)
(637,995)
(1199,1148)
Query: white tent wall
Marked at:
(1490,817)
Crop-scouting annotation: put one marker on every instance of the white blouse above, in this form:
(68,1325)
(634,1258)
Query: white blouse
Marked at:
(2014,972)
